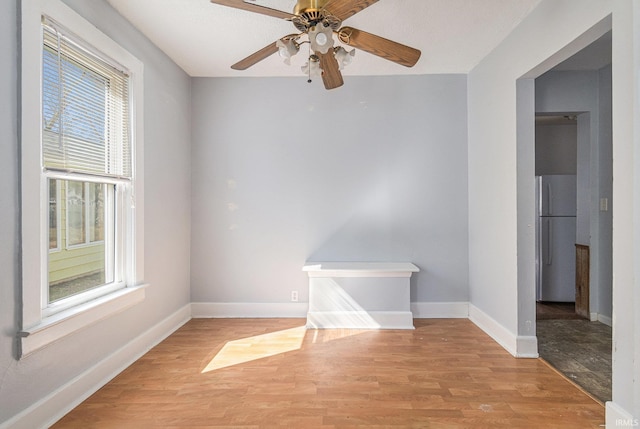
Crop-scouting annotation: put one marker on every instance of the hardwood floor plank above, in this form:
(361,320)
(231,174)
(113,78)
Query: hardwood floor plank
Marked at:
(444,374)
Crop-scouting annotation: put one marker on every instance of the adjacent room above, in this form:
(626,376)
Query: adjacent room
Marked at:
(239,213)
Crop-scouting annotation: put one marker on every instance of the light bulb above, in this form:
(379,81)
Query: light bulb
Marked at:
(287,49)
(321,39)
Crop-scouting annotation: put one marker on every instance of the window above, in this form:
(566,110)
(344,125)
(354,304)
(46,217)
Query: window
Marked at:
(85,258)
(86,149)
(82,191)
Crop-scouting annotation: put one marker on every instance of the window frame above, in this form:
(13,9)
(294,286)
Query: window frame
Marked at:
(113,264)
(58,247)
(40,326)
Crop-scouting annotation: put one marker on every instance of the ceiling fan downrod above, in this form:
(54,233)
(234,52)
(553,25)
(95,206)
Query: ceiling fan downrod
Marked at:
(308,6)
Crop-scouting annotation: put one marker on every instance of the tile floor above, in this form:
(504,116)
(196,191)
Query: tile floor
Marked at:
(579,349)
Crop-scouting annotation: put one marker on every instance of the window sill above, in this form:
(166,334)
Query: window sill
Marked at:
(59,325)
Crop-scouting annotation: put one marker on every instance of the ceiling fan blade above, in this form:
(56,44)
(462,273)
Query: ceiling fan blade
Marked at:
(256,57)
(331,75)
(376,45)
(344,9)
(241,4)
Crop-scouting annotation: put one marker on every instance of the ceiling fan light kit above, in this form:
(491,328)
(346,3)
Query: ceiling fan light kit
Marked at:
(319,20)
(343,56)
(287,48)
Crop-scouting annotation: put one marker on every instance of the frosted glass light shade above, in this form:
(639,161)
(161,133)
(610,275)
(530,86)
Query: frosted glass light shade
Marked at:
(344,57)
(287,49)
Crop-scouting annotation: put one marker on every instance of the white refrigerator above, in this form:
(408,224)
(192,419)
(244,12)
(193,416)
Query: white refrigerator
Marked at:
(556,238)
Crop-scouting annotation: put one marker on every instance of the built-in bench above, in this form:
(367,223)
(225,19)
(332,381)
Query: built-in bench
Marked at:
(360,295)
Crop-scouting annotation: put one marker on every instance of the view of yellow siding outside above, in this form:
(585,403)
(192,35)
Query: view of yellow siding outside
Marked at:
(76,237)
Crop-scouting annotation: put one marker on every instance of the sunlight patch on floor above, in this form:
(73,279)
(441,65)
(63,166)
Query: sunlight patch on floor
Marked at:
(249,349)
(257,347)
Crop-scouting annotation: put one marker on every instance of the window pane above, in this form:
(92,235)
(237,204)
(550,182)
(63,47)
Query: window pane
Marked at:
(85,260)
(85,110)
(96,211)
(53,214)
(75,213)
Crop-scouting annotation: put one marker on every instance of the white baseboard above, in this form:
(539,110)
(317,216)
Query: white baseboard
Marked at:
(223,310)
(605,319)
(495,330)
(420,310)
(440,310)
(618,417)
(597,317)
(518,346)
(50,409)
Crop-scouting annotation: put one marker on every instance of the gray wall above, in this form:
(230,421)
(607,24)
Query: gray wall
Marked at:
(167,217)
(9,208)
(285,172)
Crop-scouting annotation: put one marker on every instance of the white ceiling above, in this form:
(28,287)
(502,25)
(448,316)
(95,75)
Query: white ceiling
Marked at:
(205,39)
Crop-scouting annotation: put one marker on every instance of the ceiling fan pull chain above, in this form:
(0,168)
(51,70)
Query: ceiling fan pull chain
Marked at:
(309,71)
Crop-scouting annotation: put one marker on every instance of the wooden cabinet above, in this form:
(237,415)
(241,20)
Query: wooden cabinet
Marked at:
(582,281)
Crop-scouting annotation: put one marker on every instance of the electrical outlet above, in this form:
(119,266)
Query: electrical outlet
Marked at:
(294,296)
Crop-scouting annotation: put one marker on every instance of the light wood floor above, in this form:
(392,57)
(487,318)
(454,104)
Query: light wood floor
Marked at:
(262,373)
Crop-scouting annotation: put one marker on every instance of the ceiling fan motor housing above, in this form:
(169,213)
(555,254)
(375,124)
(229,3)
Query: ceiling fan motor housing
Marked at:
(309,13)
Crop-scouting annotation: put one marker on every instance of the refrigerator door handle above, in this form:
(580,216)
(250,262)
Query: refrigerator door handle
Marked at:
(549,199)
(549,240)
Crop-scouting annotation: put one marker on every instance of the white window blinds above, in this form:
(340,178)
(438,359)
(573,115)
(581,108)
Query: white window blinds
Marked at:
(85,109)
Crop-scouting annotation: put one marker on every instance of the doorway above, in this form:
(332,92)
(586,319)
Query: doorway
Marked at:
(573,137)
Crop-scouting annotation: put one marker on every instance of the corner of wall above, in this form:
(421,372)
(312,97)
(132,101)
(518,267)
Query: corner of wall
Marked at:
(518,346)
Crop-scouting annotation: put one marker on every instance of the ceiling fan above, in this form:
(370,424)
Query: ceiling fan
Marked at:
(317,21)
